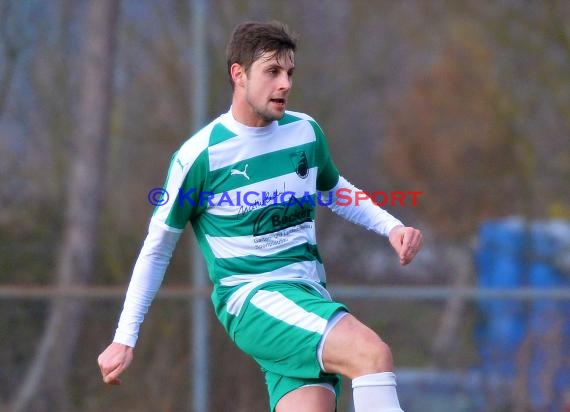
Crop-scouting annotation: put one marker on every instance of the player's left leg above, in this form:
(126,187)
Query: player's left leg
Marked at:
(354,350)
(311,398)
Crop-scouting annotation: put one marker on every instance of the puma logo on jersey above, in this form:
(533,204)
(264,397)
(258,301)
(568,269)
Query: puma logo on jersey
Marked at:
(240,172)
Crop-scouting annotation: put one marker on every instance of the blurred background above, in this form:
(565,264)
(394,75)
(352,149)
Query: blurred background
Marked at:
(467,102)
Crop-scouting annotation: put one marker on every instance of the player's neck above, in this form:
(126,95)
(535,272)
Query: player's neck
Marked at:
(244,114)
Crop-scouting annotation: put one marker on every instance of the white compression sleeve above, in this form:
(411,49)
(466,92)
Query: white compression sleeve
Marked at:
(146,279)
(365,213)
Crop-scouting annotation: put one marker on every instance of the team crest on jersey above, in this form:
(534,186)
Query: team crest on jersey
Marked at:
(301,164)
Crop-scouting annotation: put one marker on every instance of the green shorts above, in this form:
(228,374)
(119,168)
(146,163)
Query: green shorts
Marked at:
(281,326)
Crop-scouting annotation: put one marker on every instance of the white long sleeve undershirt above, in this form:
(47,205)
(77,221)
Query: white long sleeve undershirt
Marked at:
(365,213)
(146,279)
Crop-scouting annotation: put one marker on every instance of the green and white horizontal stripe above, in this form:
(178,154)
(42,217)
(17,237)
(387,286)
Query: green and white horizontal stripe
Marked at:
(261,246)
(251,142)
(307,272)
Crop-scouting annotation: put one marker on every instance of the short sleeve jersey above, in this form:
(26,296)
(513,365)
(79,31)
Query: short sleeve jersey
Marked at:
(250,195)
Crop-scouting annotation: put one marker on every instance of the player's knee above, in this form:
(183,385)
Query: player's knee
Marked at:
(381,358)
(375,357)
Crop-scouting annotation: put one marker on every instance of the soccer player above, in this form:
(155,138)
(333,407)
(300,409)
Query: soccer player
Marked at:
(249,182)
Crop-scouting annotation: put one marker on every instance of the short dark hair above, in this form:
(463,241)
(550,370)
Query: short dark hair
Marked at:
(251,39)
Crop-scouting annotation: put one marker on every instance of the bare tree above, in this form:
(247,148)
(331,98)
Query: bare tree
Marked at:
(13,43)
(44,386)
(445,337)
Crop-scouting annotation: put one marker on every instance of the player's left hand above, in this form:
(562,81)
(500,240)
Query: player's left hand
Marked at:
(406,241)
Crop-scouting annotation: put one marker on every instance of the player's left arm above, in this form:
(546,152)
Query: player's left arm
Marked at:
(406,241)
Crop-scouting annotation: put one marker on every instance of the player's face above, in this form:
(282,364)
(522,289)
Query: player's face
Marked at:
(267,87)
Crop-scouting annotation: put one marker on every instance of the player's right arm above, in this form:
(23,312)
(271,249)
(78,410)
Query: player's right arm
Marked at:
(184,182)
(186,173)
(146,279)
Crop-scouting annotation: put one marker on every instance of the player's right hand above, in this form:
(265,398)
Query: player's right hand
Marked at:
(113,361)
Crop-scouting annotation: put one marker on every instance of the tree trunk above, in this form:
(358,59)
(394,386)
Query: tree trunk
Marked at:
(445,337)
(11,52)
(44,387)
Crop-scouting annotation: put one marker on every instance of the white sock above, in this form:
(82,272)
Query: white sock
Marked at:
(375,392)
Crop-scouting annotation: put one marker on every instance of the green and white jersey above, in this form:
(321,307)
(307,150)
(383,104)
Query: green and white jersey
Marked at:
(250,195)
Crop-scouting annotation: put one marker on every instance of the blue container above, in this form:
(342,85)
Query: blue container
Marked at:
(501,265)
(514,254)
(549,320)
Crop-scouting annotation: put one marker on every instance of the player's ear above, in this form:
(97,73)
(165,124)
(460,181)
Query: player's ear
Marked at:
(238,74)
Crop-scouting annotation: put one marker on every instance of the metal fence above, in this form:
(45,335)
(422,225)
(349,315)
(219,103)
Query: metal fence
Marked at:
(477,383)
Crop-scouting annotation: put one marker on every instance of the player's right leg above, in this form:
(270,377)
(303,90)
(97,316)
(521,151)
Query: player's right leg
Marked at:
(352,349)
